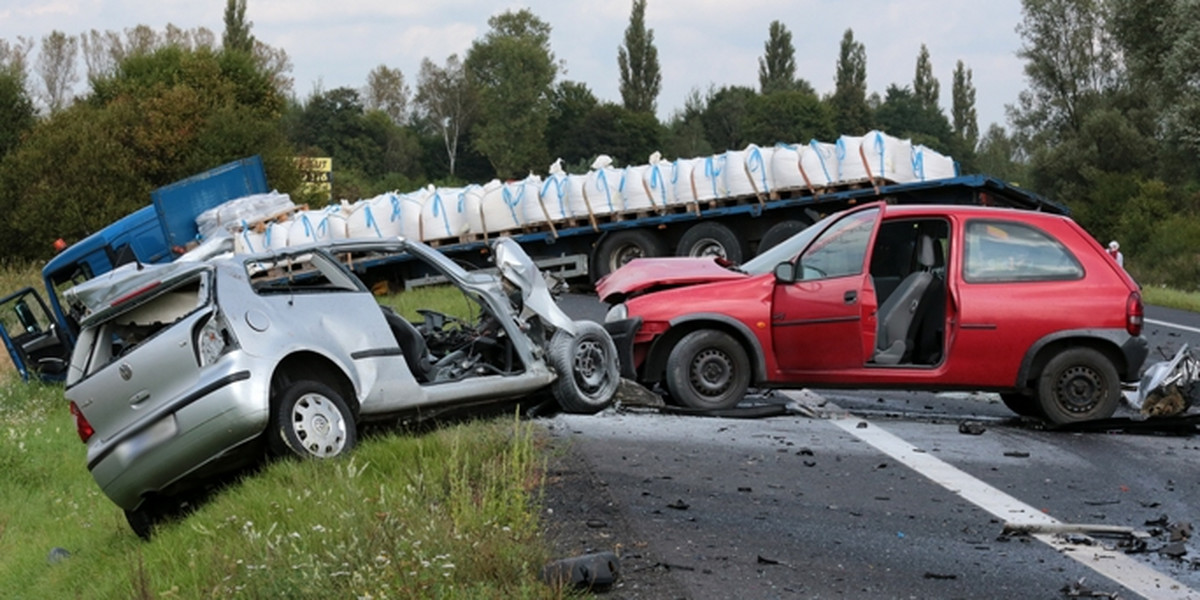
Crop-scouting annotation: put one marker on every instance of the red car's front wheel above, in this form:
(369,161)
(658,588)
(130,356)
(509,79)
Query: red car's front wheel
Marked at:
(708,369)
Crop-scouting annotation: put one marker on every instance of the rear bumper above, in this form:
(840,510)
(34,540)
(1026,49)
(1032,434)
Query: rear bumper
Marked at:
(201,430)
(622,333)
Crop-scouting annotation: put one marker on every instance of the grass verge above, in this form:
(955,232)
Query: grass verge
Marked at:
(1171,298)
(448,514)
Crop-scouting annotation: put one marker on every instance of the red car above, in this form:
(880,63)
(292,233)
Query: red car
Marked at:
(936,297)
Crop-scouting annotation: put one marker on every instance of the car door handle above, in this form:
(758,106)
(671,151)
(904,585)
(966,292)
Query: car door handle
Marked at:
(138,398)
(850,296)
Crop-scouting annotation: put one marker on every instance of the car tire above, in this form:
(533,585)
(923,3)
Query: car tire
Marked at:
(588,371)
(310,420)
(711,239)
(623,246)
(144,519)
(780,232)
(1022,404)
(709,370)
(1078,384)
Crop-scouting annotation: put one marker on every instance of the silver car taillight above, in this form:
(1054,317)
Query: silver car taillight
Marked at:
(214,340)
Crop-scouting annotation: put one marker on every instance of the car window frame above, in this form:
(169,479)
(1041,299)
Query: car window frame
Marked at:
(969,245)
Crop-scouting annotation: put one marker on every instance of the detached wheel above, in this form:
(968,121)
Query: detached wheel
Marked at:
(711,239)
(311,420)
(780,232)
(708,369)
(1079,384)
(623,246)
(588,373)
(1022,404)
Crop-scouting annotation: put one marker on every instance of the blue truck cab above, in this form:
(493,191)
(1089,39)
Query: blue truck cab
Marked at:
(40,335)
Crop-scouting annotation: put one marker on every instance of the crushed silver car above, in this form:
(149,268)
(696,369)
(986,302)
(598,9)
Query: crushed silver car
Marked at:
(189,369)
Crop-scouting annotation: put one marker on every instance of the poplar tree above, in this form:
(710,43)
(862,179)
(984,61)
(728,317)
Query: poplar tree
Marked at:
(641,78)
(964,120)
(777,67)
(237,28)
(851,114)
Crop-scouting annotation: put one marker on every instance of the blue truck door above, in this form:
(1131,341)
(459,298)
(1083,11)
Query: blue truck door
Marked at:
(36,344)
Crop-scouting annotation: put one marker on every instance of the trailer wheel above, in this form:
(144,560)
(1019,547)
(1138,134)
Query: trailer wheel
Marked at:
(779,232)
(623,246)
(711,239)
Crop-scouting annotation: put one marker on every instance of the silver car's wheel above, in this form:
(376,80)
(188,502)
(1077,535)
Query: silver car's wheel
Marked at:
(588,373)
(311,420)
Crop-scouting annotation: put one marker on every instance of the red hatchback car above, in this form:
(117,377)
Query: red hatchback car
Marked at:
(935,297)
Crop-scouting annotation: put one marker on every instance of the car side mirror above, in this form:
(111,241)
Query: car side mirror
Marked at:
(25,316)
(785,272)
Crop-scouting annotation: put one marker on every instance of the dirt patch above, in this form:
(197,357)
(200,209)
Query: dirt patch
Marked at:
(580,517)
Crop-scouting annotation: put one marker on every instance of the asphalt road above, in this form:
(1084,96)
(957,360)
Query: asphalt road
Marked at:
(894,495)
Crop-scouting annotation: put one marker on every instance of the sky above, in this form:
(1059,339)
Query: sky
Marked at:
(700,43)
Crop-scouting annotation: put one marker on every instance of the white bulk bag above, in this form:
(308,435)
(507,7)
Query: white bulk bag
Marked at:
(501,206)
(444,214)
(386,216)
(681,179)
(709,179)
(527,193)
(250,239)
(634,190)
(735,179)
(850,159)
(241,211)
(603,190)
(307,227)
(275,235)
(577,204)
(818,161)
(335,220)
(930,164)
(657,181)
(470,198)
(553,194)
(888,157)
(785,166)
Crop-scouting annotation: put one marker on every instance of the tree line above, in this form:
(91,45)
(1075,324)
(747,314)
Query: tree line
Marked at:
(1104,126)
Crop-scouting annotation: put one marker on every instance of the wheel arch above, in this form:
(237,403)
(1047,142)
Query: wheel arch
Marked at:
(656,358)
(1106,342)
(307,364)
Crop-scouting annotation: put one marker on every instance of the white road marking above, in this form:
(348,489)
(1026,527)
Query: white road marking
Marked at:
(1112,564)
(1172,325)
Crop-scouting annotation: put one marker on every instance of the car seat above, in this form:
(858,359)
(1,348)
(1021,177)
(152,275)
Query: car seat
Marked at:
(898,314)
(412,344)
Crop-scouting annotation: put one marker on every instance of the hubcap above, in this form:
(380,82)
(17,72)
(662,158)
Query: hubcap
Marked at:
(624,255)
(708,247)
(711,372)
(1080,389)
(589,365)
(319,426)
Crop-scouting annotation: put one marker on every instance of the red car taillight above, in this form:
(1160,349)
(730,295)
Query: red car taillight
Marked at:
(82,427)
(1134,314)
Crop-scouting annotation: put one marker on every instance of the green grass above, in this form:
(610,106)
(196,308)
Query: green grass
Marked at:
(448,514)
(1171,298)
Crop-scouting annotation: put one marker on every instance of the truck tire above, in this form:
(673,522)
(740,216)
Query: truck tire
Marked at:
(621,247)
(780,232)
(711,239)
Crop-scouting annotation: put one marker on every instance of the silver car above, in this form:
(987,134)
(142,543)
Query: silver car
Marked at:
(189,369)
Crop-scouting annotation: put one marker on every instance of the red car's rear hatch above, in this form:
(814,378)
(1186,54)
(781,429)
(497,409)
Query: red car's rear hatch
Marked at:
(644,275)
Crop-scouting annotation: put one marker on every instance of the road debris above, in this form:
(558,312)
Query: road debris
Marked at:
(598,571)
(971,428)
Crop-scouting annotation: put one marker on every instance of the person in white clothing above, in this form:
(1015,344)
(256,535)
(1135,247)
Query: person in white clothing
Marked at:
(1114,250)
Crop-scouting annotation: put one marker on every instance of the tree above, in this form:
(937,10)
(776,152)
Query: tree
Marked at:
(446,103)
(903,114)
(777,66)
(962,110)
(570,106)
(387,92)
(788,116)
(513,70)
(1071,66)
(237,29)
(725,115)
(641,79)
(56,67)
(158,118)
(17,113)
(851,114)
(926,88)
(14,57)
